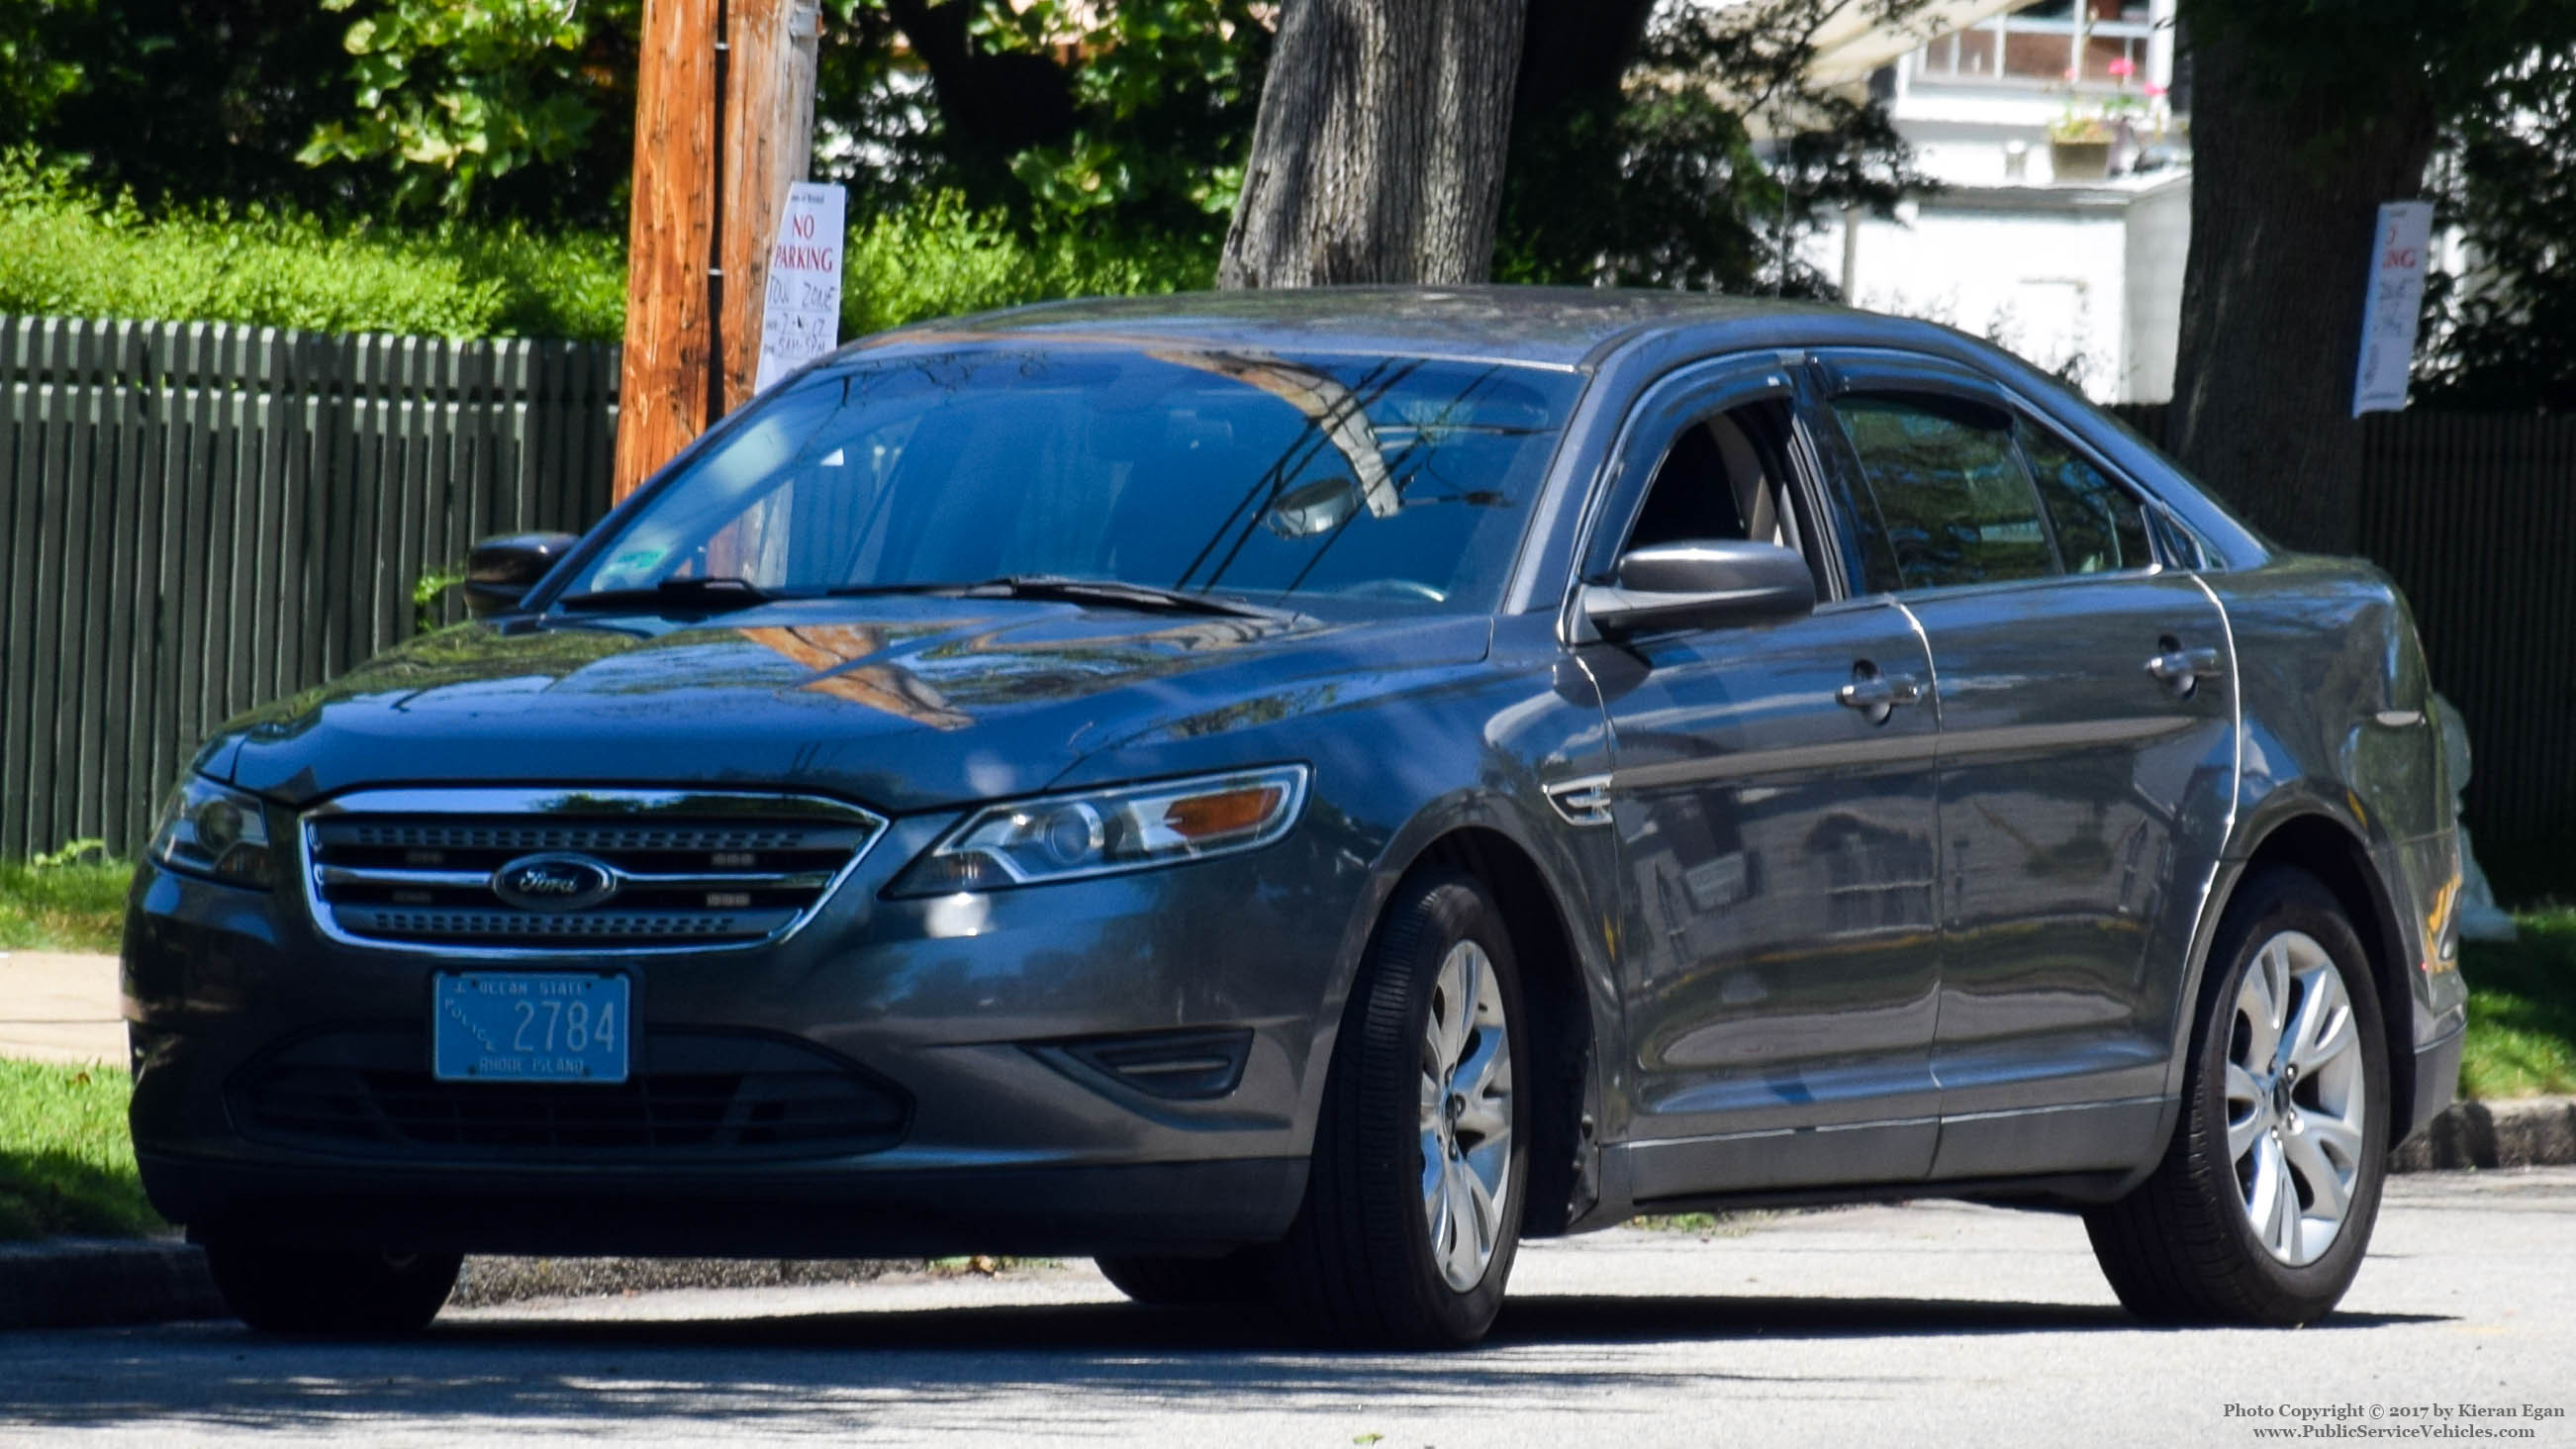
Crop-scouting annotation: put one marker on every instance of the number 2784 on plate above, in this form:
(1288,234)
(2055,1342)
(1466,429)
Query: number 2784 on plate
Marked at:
(529,1026)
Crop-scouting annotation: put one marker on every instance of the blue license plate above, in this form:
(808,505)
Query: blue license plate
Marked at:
(529,1026)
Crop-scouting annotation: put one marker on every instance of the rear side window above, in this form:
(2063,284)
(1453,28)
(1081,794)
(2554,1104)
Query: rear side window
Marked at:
(1949,491)
(2100,527)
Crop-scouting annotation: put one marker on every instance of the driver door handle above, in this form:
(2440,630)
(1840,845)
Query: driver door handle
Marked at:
(1879,692)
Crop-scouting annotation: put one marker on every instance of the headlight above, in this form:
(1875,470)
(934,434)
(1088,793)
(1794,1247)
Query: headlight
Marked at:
(212,831)
(1067,837)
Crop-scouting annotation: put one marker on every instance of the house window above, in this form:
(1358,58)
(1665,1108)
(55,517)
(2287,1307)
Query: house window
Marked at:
(2045,44)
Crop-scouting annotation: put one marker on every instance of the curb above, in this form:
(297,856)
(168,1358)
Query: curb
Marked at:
(2528,1132)
(102,1282)
(91,1282)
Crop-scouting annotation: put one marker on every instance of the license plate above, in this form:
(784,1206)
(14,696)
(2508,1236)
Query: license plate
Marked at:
(529,1026)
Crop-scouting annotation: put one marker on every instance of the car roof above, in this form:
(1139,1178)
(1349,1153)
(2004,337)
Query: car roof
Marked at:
(1571,327)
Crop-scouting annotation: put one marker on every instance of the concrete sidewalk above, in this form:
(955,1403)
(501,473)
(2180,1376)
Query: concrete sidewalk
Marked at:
(56,1006)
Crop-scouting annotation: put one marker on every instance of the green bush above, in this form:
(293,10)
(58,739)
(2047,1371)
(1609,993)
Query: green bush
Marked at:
(66,253)
(937,258)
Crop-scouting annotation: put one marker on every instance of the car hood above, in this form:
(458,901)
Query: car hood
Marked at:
(903,703)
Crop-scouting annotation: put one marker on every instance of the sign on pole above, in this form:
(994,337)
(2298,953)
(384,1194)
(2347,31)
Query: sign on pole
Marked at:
(800,318)
(2396,301)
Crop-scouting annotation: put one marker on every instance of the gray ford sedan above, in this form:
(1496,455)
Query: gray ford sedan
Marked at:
(1293,793)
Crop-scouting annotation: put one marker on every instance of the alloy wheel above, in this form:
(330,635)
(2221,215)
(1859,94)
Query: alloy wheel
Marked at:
(1466,1120)
(2295,1101)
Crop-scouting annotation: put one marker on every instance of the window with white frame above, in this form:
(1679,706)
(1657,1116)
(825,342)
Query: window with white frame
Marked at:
(2049,43)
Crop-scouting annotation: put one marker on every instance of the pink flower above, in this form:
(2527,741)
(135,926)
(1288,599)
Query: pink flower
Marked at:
(2155,92)
(2123,67)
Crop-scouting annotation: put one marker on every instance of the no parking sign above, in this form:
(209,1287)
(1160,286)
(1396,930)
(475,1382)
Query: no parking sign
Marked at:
(800,318)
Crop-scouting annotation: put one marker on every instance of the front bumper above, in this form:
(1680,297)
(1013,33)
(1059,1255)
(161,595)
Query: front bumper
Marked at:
(959,1008)
(1066,1211)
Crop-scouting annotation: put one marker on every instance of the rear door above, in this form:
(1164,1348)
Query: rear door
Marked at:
(2087,754)
(1773,797)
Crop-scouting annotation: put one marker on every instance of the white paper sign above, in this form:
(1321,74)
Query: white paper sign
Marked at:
(2395,303)
(800,319)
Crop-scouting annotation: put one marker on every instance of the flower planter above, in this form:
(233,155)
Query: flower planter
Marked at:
(2080,160)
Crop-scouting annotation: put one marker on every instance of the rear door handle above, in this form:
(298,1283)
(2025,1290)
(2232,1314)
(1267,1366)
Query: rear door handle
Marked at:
(1879,693)
(2180,667)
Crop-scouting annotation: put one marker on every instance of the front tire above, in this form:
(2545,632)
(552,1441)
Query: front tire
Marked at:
(2263,1206)
(286,1290)
(1413,1205)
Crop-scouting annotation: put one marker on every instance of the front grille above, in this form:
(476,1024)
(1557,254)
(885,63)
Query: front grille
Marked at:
(424,869)
(696,1094)
(417,925)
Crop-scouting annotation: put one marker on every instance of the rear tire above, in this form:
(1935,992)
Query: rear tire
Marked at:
(1173,1282)
(288,1290)
(1413,1205)
(2263,1206)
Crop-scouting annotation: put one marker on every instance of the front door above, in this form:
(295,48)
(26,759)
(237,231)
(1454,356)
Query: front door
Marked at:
(1772,791)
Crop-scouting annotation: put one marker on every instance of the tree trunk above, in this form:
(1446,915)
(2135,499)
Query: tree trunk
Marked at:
(2284,206)
(1378,155)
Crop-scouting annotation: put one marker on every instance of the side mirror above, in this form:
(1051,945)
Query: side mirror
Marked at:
(501,570)
(1701,583)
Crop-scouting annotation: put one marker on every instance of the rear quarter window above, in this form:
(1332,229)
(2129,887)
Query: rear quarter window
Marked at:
(2101,527)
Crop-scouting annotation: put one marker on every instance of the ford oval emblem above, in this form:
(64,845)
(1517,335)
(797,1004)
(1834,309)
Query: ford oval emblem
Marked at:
(554,882)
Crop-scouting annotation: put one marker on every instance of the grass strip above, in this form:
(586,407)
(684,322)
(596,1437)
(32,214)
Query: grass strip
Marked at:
(2522,1010)
(66,1164)
(73,906)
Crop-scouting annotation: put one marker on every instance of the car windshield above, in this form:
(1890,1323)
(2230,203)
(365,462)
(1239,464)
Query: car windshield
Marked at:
(1396,479)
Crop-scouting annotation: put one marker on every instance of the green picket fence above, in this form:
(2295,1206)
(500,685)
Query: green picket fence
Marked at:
(202,517)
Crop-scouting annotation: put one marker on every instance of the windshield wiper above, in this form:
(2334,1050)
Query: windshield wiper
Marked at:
(1078,591)
(1124,595)
(682,596)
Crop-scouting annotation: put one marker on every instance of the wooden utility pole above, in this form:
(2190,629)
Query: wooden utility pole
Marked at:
(769,145)
(724,121)
(662,383)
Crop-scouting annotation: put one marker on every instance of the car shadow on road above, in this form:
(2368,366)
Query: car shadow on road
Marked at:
(980,1366)
(1586,1319)
(1569,1320)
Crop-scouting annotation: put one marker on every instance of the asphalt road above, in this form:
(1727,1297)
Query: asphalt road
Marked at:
(1931,1324)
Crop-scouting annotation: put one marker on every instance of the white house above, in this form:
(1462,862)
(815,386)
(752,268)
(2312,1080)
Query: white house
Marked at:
(2069,253)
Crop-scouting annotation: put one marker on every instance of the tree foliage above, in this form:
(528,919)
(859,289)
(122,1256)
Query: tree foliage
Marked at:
(2499,330)
(1651,169)
(34,75)
(1162,105)
(452,95)
(1120,119)
(186,100)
